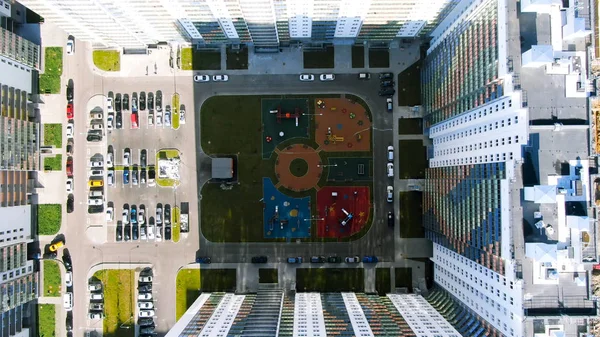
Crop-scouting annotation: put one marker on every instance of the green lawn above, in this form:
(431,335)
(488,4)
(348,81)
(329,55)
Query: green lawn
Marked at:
(49,218)
(47,320)
(175,217)
(412,156)
(319,59)
(53,163)
(175,120)
(52,279)
(118,302)
(107,60)
(53,135)
(358,57)
(410,126)
(49,81)
(200,60)
(268,276)
(379,58)
(383,281)
(403,278)
(189,284)
(330,279)
(237,59)
(409,85)
(411,214)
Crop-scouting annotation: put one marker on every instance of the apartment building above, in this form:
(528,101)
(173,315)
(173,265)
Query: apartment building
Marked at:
(506,199)
(263,24)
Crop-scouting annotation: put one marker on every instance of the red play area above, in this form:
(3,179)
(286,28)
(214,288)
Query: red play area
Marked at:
(345,210)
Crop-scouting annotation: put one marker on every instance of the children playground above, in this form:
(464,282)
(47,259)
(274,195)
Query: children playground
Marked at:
(284,216)
(283,119)
(342,125)
(342,210)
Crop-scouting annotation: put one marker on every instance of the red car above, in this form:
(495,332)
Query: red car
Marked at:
(134,120)
(70,167)
(70,111)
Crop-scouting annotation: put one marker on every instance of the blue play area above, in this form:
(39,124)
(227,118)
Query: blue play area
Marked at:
(284,216)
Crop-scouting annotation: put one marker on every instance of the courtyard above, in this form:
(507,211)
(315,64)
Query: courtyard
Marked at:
(286,148)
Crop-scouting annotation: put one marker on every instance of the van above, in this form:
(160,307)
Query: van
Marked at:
(68,301)
(364,76)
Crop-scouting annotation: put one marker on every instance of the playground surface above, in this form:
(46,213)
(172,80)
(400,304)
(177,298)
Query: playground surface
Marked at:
(282,119)
(289,219)
(349,169)
(289,180)
(343,126)
(355,200)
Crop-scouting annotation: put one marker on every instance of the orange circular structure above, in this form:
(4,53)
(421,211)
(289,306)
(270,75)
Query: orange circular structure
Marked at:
(285,158)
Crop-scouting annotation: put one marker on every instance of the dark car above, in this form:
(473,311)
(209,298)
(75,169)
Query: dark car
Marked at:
(143,158)
(387,83)
(95,209)
(70,203)
(119,233)
(70,147)
(143,176)
(148,335)
(143,100)
(146,288)
(135,232)
(390,219)
(126,102)
(119,120)
(94,137)
(134,175)
(168,232)
(387,92)
(118,103)
(127,232)
(126,176)
(67,260)
(317,259)
(151,173)
(259,259)
(334,259)
(69,321)
(370,259)
(69,93)
(158,100)
(386,76)
(151,101)
(203,260)
(167,215)
(146,321)
(134,101)
(147,330)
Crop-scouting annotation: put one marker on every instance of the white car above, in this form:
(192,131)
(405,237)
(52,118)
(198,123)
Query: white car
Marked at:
(201,78)
(181,116)
(110,214)
(220,78)
(70,47)
(167,119)
(150,119)
(70,185)
(109,121)
(96,296)
(144,297)
(125,218)
(97,126)
(145,279)
(110,178)
(150,233)
(95,315)
(68,301)
(390,170)
(390,194)
(352,259)
(141,218)
(158,233)
(96,163)
(94,286)
(126,157)
(327,77)
(96,173)
(390,153)
(95,201)
(158,120)
(307,77)
(109,105)
(146,313)
(143,236)
(109,159)
(69,279)
(159,212)
(70,130)
(145,305)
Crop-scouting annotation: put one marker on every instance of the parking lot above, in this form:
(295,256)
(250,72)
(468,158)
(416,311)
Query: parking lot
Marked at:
(125,131)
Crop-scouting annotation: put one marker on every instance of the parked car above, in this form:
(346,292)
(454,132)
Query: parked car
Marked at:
(334,259)
(387,92)
(390,194)
(145,279)
(70,129)
(119,232)
(352,259)
(69,279)
(370,259)
(95,183)
(133,215)
(134,101)
(143,233)
(388,83)
(386,76)
(167,119)
(390,170)
(70,114)
(220,78)
(110,214)
(390,153)
(56,245)
(95,286)
(143,157)
(118,105)
(146,313)
(167,214)
(145,305)
(145,322)
(145,297)
(70,203)
(294,259)
(95,315)
(134,175)
(110,121)
(127,232)
(94,137)
(70,46)
(126,102)
(158,100)
(66,258)
(96,297)
(159,211)
(327,77)
(119,120)
(317,259)
(125,217)
(142,100)
(68,301)
(390,219)
(259,259)
(126,176)
(141,216)
(95,201)
(201,78)
(96,306)
(135,232)
(69,93)
(307,77)
(203,260)
(389,104)
(147,331)
(110,159)
(364,76)
(150,100)
(127,157)
(168,232)
(70,167)
(70,147)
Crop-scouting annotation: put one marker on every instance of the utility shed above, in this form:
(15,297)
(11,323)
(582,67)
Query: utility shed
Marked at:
(222,168)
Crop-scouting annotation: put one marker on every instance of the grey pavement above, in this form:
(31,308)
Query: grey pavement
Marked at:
(92,244)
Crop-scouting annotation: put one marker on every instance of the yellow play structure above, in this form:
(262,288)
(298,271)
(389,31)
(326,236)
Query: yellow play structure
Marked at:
(334,139)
